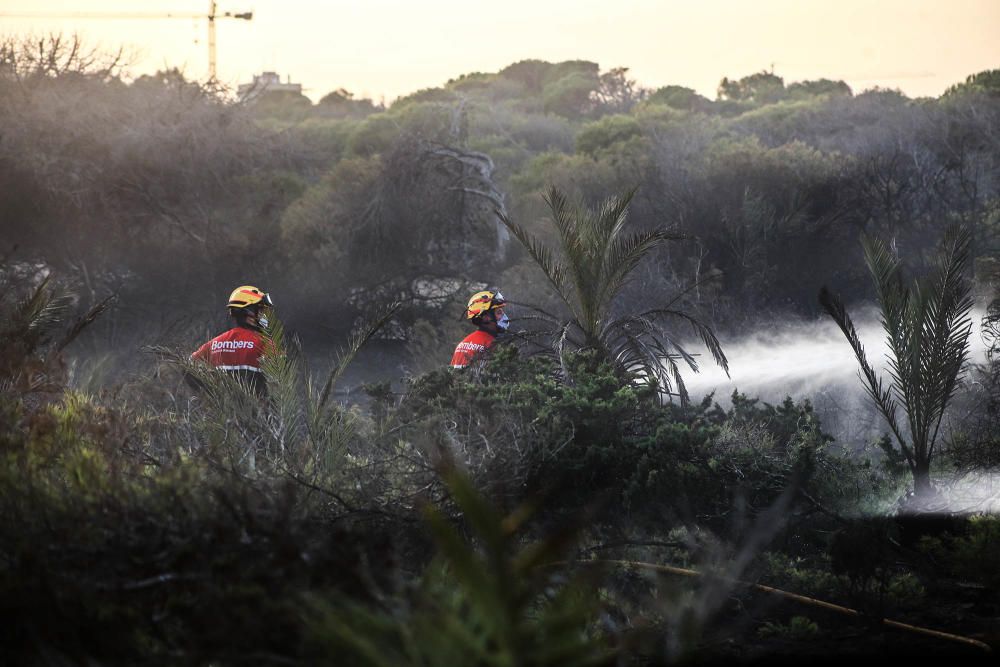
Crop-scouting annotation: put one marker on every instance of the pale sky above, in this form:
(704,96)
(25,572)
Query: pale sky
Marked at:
(387,48)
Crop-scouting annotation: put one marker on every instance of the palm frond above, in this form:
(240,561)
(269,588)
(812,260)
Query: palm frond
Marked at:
(703,331)
(86,320)
(881,395)
(563,216)
(368,329)
(623,255)
(554,271)
(596,259)
(37,314)
(947,325)
(927,328)
(900,317)
(897,312)
(641,345)
(542,313)
(288,421)
(576,237)
(614,212)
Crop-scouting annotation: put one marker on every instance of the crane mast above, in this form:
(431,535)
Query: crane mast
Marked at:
(211,40)
(211,16)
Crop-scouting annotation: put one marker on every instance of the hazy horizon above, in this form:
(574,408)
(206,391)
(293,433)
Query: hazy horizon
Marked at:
(384,49)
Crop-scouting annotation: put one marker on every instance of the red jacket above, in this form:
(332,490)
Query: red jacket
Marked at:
(238,349)
(473,344)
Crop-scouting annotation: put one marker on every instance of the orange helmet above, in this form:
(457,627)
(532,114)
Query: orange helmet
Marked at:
(248,295)
(481,302)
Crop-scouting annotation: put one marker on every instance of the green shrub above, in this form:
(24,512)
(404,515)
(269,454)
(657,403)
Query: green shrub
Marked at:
(972,554)
(488,600)
(797,575)
(798,628)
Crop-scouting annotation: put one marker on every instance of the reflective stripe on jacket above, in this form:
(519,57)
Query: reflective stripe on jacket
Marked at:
(238,349)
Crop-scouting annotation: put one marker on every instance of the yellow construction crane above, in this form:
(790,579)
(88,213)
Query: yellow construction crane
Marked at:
(211,16)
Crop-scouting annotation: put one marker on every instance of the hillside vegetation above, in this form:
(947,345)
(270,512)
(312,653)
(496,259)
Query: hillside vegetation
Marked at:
(565,501)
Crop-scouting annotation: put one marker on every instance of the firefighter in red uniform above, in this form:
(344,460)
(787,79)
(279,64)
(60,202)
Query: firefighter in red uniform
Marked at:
(485,310)
(239,350)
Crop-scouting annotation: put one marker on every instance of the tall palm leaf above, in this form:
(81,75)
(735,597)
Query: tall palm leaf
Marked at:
(28,326)
(595,259)
(927,328)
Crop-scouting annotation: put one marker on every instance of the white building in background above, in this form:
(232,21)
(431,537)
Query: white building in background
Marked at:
(267,82)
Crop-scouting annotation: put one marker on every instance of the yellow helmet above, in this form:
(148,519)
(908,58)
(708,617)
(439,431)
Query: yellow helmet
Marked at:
(481,302)
(248,295)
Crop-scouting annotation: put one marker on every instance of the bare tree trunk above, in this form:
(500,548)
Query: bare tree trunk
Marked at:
(922,487)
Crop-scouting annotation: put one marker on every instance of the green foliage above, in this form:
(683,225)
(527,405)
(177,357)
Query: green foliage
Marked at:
(425,96)
(679,97)
(296,431)
(364,333)
(372,136)
(970,553)
(580,175)
(140,178)
(798,628)
(569,440)
(488,601)
(536,75)
(341,104)
(799,575)
(380,133)
(472,81)
(748,162)
(34,333)
(609,130)
(977,548)
(150,531)
(861,566)
(760,88)
(987,81)
(182,530)
(773,447)
(905,589)
(863,553)
(927,328)
(596,258)
(316,226)
(329,137)
(818,88)
(539,133)
(109,560)
(570,95)
(779,124)
(593,440)
(27,329)
(145,523)
(282,104)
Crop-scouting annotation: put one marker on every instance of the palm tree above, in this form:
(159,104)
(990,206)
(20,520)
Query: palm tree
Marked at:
(33,333)
(594,262)
(927,328)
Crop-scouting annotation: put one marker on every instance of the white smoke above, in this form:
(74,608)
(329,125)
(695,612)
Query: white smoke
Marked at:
(814,360)
(811,360)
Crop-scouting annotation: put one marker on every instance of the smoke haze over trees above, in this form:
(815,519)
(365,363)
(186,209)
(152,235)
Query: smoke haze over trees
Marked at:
(130,187)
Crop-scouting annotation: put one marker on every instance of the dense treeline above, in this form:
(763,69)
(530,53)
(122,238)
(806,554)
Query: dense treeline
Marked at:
(554,504)
(168,193)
